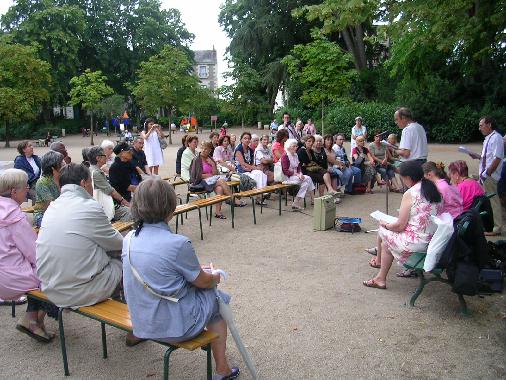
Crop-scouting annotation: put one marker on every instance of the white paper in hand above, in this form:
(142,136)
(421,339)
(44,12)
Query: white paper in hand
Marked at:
(381,216)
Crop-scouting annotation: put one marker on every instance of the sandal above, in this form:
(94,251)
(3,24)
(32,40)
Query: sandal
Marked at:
(407,273)
(374,264)
(220,216)
(241,204)
(373,284)
(233,375)
(261,203)
(34,331)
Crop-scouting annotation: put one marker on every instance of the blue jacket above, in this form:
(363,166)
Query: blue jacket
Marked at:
(20,162)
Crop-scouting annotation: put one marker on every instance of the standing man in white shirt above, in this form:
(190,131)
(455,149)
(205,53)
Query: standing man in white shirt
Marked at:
(413,145)
(490,168)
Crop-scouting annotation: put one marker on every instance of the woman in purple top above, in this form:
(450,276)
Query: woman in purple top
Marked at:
(468,187)
(292,169)
(452,201)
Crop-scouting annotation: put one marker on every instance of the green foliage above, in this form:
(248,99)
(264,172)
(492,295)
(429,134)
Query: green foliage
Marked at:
(322,69)
(89,89)
(111,106)
(24,84)
(33,130)
(166,80)
(378,117)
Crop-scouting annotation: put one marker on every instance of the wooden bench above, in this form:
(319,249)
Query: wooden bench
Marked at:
(256,192)
(175,182)
(122,226)
(115,314)
(183,209)
(209,202)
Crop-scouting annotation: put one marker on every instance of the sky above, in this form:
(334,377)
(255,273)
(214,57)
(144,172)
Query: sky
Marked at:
(201,18)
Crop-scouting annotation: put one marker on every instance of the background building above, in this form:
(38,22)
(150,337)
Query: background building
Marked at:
(206,68)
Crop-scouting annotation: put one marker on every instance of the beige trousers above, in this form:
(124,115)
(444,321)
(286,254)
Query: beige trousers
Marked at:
(490,186)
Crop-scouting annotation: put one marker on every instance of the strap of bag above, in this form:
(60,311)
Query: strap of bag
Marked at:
(141,280)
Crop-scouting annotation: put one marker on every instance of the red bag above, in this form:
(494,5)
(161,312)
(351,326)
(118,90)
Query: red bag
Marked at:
(358,188)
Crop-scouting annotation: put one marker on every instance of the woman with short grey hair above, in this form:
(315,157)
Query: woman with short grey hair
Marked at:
(18,272)
(97,158)
(107,146)
(179,299)
(47,188)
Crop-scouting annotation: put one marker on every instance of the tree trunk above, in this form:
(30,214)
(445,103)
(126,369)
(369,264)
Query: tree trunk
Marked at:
(7,142)
(91,129)
(358,52)
(359,43)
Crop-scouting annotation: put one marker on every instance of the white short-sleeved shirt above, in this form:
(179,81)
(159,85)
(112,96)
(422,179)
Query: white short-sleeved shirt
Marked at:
(34,166)
(494,146)
(414,138)
(261,153)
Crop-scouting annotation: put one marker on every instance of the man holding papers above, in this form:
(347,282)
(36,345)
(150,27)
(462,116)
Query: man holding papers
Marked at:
(413,145)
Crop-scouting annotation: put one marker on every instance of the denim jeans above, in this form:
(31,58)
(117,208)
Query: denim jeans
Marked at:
(348,176)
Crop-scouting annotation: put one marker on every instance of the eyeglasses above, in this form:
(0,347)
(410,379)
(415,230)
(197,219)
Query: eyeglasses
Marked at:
(101,155)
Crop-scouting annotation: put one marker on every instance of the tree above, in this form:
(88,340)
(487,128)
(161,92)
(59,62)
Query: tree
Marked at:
(323,70)
(166,81)
(89,89)
(112,105)
(56,32)
(24,84)
(349,17)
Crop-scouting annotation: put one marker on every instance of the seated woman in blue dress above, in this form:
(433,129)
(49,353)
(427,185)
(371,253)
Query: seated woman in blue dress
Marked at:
(168,264)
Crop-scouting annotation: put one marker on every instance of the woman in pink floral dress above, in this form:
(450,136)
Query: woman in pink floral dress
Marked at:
(414,227)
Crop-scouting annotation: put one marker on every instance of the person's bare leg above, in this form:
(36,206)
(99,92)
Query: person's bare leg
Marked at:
(328,182)
(219,347)
(155,170)
(386,263)
(218,189)
(379,249)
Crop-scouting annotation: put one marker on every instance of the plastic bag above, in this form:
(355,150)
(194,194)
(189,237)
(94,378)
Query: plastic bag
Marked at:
(437,244)
(279,176)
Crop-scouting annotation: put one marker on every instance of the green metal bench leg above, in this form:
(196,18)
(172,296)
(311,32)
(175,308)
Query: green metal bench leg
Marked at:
(210,214)
(418,290)
(104,341)
(232,210)
(62,342)
(209,363)
(166,358)
(463,306)
(254,213)
(177,221)
(200,224)
(13,310)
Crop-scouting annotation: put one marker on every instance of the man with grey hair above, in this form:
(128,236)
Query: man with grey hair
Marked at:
(97,158)
(59,147)
(139,161)
(413,145)
(75,245)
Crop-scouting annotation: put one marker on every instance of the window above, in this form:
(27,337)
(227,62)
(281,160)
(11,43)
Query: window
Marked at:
(203,71)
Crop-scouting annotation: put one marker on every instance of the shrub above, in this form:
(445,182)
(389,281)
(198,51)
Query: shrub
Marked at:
(378,117)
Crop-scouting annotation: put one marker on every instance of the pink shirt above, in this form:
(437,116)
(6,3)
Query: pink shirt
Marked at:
(206,167)
(452,201)
(18,273)
(222,154)
(279,147)
(469,189)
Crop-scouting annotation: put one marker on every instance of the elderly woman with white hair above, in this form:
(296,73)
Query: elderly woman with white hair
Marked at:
(292,169)
(170,296)
(18,272)
(47,188)
(108,146)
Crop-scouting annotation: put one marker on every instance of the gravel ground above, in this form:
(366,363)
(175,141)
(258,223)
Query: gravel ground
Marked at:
(299,305)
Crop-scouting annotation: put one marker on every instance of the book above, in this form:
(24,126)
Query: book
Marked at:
(381,216)
(387,144)
(463,149)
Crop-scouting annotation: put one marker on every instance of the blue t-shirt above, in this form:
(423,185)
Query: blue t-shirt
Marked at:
(168,263)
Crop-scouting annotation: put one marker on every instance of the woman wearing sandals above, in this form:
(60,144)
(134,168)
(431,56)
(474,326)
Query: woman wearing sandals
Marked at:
(170,296)
(414,227)
(204,171)
(18,272)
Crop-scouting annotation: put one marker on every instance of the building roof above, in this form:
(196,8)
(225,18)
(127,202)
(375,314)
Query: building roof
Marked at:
(205,56)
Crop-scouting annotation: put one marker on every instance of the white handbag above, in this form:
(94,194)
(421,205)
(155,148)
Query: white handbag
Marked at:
(279,176)
(105,200)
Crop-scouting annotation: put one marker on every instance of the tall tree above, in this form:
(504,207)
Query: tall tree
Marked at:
(24,84)
(89,89)
(56,31)
(262,32)
(350,18)
(322,69)
(166,81)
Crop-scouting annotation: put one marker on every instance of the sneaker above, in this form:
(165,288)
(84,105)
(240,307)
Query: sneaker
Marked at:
(234,375)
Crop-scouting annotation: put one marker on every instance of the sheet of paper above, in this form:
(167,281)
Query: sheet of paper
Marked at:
(381,216)
(386,143)
(465,150)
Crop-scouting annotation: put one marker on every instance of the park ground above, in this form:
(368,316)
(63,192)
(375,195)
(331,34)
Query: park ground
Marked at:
(299,304)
